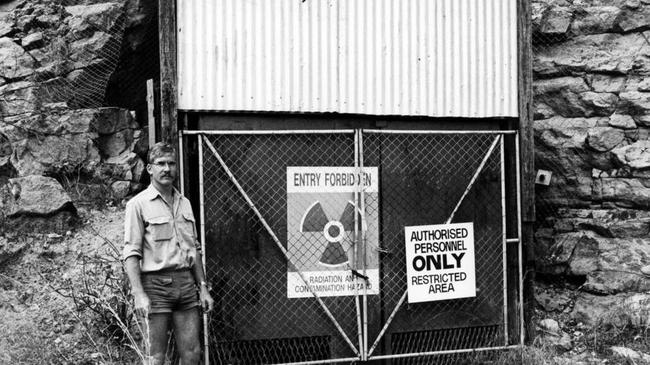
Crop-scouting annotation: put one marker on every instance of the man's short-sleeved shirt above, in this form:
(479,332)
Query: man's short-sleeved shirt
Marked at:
(162,236)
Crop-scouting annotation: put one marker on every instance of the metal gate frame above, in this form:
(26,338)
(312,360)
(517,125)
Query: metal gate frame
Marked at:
(498,140)
(363,353)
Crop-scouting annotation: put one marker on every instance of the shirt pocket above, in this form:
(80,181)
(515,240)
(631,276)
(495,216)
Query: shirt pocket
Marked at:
(186,226)
(161,228)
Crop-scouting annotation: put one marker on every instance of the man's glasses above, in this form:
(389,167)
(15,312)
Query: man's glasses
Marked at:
(162,164)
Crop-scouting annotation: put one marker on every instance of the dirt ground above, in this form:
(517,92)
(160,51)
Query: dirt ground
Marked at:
(55,294)
(62,301)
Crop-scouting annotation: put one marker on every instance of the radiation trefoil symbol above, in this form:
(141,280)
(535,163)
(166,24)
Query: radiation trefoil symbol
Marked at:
(334,231)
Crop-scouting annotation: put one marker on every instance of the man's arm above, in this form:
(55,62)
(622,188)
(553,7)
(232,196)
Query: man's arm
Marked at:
(204,293)
(132,254)
(141,300)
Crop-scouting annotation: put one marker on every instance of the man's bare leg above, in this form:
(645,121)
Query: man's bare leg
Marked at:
(157,337)
(187,325)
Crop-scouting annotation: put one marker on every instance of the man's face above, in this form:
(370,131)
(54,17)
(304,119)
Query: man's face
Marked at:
(163,169)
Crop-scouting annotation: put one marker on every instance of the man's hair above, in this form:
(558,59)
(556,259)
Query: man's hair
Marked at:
(159,149)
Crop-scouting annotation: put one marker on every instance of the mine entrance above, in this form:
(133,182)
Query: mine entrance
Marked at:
(307,237)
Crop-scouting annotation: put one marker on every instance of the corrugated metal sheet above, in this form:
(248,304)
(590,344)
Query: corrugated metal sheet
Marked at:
(384,57)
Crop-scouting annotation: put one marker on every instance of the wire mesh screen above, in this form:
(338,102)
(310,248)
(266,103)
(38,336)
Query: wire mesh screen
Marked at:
(263,238)
(441,340)
(255,321)
(423,177)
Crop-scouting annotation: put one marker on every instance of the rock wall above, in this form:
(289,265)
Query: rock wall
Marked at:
(59,115)
(71,73)
(592,127)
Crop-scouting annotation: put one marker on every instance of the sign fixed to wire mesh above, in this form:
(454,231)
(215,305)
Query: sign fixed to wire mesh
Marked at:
(440,262)
(321,216)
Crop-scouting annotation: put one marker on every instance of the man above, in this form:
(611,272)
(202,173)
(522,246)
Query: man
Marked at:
(162,261)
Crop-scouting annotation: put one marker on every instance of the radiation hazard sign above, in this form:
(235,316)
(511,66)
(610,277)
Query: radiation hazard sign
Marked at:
(321,218)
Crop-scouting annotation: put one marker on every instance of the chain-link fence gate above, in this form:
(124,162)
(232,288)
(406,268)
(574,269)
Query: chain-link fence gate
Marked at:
(287,262)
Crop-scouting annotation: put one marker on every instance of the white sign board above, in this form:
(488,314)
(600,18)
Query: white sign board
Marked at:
(320,230)
(440,262)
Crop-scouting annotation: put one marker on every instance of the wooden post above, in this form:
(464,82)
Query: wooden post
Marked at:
(527,153)
(150,116)
(167,38)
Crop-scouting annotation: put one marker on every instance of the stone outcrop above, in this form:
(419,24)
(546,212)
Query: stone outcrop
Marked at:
(608,248)
(592,117)
(592,104)
(625,354)
(86,140)
(606,53)
(616,310)
(15,62)
(55,66)
(552,335)
(36,195)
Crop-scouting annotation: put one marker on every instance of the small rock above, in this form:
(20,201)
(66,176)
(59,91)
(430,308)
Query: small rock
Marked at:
(554,336)
(114,144)
(615,310)
(622,121)
(25,23)
(633,4)
(6,24)
(550,325)
(121,188)
(646,270)
(556,21)
(103,16)
(603,139)
(644,85)
(552,301)
(624,352)
(636,104)
(33,41)
(15,62)
(48,20)
(637,309)
(634,20)
(608,83)
(603,104)
(635,155)
(564,342)
(595,19)
(56,106)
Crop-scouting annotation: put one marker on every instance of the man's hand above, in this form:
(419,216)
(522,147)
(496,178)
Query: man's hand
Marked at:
(142,304)
(207,303)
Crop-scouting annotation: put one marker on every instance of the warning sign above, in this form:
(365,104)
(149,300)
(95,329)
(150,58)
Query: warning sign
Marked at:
(440,262)
(321,217)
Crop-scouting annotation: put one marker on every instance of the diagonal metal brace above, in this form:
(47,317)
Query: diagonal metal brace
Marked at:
(277,241)
(451,216)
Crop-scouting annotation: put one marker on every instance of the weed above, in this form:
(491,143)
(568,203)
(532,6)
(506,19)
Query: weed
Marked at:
(102,306)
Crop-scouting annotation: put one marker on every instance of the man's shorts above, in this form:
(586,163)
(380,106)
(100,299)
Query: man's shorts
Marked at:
(170,291)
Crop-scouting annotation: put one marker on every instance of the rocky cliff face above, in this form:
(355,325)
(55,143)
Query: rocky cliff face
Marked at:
(592,120)
(67,109)
(72,72)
